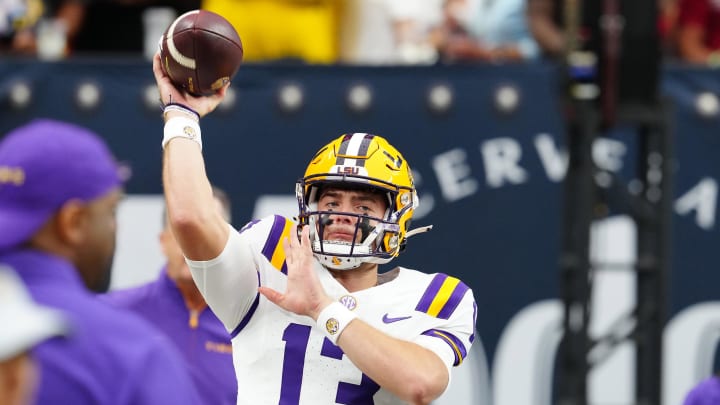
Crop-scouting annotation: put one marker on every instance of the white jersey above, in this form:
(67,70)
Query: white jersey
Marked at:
(283,359)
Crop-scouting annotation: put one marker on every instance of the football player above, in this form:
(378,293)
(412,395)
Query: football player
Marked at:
(312,319)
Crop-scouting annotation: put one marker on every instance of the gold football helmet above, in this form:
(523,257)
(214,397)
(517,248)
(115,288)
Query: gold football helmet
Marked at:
(359,161)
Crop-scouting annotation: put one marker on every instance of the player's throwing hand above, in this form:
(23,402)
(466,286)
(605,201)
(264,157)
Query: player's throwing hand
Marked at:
(170,94)
(304,295)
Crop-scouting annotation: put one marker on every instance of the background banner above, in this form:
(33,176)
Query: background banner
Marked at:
(487,147)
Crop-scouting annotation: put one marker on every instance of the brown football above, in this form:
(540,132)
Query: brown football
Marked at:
(201,52)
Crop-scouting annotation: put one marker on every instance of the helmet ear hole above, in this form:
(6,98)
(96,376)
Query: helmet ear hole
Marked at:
(403,241)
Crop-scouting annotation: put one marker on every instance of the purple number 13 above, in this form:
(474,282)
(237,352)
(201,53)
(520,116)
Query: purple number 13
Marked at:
(296,339)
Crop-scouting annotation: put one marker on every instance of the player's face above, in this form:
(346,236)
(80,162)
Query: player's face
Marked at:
(339,227)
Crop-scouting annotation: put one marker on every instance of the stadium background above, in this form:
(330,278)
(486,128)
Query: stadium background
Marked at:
(486,143)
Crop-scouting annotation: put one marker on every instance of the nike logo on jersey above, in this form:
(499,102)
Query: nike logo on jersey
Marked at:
(388,319)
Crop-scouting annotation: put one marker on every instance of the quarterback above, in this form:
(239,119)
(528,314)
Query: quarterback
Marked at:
(312,320)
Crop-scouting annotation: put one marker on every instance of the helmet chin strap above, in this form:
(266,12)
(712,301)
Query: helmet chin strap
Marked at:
(416,231)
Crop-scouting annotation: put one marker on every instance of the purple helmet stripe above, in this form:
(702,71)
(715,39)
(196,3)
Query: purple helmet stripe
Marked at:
(356,144)
(363,150)
(343,149)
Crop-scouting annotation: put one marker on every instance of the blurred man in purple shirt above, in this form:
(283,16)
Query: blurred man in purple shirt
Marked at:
(59,189)
(707,392)
(25,324)
(175,306)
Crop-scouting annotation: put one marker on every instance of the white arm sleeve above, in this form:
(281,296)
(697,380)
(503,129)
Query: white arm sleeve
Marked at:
(230,281)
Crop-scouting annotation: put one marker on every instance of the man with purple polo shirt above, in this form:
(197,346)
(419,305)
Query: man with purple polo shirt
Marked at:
(175,306)
(707,392)
(25,324)
(59,189)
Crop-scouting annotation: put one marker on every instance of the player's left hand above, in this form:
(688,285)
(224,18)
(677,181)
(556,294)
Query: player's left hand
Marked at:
(304,294)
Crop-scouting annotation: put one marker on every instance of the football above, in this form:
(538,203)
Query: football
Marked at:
(200,52)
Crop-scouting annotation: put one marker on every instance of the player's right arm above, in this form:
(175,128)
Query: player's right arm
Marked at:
(196,223)
(223,263)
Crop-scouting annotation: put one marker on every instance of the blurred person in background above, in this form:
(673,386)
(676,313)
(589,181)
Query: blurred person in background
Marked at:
(390,31)
(59,191)
(668,14)
(175,306)
(117,26)
(92,27)
(698,32)
(547,19)
(18,19)
(707,392)
(492,31)
(284,30)
(25,324)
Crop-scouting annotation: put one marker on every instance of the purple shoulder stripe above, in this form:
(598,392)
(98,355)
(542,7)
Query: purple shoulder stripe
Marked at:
(472,337)
(249,225)
(442,296)
(454,300)
(273,238)
(248,315)
(431,292)
(454,343)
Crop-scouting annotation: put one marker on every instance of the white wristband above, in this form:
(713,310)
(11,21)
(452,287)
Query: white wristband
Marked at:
(181,127)
(175,107)
(333,320)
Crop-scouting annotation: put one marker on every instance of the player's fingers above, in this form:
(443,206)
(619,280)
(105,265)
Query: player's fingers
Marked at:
(157,67)
(294,242)
(156,62)
(288,249)
(286,244)
(166,89)
(223,90)
(305,236)
(273,296)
